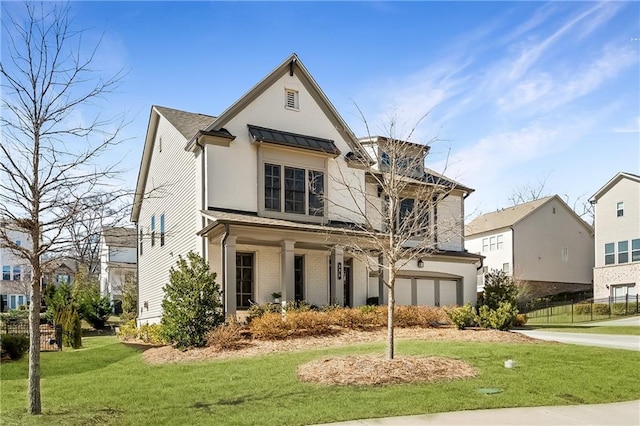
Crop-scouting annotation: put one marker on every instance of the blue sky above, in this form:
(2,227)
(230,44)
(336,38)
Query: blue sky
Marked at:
(517,92)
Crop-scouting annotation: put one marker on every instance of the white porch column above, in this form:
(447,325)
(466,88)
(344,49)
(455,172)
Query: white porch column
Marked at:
(287,268)
(229,250)
(337,277)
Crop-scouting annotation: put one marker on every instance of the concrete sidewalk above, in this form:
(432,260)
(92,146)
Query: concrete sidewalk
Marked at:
(619,413)
(616,341)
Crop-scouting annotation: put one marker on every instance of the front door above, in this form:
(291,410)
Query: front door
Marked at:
(348,291)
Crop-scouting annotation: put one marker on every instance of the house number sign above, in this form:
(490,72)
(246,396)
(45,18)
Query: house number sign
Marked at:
(339,270)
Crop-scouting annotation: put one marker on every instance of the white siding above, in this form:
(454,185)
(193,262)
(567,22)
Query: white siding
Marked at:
(494,259)
(539,242)
(449,225)
(171,189)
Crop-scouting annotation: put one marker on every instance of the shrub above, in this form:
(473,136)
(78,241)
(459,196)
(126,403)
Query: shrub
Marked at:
(582,309)
(499,319)
(463,316)
(191,305)
(256,311)
(129,297)
(354,318)
(15,345)
(128,331)
(420,316)
(521,320)
(498,287)
(227,336)
(92,306)
(69,319)
(151,333)
(272,326)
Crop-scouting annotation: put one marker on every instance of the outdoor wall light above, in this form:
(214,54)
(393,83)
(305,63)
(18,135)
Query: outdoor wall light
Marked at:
(420,263)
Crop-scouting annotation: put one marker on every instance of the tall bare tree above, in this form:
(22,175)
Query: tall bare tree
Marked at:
(52,138)
(393,209)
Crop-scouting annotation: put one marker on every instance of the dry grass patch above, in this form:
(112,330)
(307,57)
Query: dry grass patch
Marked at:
(377,370)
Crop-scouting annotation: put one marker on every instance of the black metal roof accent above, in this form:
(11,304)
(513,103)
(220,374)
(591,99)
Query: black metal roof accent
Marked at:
(262,134)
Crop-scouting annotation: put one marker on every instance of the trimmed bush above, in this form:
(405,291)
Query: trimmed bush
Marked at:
(191,305)
(256,311)
(15,345)
(69,319)
(499,319)
(151,333)
(463,316)
(128,331)
(365,317)
(420,316)
(498,287)
(271,326)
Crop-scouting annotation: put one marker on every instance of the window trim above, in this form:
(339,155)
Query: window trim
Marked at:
(162,230)
(239,294)
(635,250)
(623,253)
(153,230)
(294,95)
(620,209)
(307,215)
(611,253)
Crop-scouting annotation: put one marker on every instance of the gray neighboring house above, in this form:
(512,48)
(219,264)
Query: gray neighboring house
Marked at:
(617,237)
(543,244)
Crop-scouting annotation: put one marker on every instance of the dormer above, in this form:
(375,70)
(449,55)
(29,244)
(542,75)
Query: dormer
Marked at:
(407,158)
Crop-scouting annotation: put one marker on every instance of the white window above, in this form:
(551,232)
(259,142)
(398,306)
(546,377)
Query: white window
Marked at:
(17,273)
(485,244)
(18,243)
(623,251)
(620,209)
(500,244)
(565,254)
(506,268)
(492,243)
(291,99)
(635,250)
(609,254)
(160,144)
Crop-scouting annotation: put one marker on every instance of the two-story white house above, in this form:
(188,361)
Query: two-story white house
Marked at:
(15,286)
(542,244)
(617,237)
(255,191)
(118,260)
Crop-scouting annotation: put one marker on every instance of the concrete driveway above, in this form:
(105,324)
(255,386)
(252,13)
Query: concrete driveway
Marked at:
(628,321)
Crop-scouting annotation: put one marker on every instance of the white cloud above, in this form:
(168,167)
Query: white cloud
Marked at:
(631,128)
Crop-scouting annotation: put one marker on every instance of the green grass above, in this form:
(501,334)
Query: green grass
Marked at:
(107,382)
(629,330)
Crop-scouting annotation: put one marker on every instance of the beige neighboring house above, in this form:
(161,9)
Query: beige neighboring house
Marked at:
(543,244)
(118,261)
(236,189)
(617,243)
(15,285)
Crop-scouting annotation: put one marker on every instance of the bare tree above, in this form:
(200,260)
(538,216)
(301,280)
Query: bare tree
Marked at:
(52,138)
(393,209)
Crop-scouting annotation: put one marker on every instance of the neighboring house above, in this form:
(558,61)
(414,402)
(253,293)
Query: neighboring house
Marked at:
(118,260)
(542,244)
(241,189)
(59,270)
(15,286)
(617,244)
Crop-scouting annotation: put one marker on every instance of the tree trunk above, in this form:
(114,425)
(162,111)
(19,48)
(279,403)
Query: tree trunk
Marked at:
(34,404)
(391,305)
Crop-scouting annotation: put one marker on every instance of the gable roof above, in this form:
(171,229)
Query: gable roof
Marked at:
(291,65)
(612,182)
(118,236)
(187,123)
(506,217)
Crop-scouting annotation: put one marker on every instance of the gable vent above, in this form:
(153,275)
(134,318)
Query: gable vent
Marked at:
(291,99)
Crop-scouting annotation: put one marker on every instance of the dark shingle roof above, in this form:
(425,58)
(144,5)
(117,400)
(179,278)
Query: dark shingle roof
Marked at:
(187,123)
(279,137)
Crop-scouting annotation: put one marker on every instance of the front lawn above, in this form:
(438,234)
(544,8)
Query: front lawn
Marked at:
(107,382)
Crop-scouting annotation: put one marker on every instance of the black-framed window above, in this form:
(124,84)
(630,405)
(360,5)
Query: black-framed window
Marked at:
(293,190)
(298,277)
(153,230)
(316,193)
(17,273)
(162,229)
(244,279)
(140,242)
(272,185)
(620,208)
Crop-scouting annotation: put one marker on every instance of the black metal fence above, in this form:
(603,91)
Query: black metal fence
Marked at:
(50,336)
(581,311)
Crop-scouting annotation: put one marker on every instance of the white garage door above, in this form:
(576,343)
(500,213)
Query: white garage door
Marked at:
(403,291)
(426,292)
(448,293)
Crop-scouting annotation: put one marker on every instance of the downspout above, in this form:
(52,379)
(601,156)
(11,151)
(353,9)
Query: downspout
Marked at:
(203,187)
(138,271)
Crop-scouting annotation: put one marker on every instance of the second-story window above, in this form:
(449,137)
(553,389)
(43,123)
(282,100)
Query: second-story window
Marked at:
(6,273)
(302,191)
(153,230)
(162,229)
(635,250)
(140,253)
(620,209)
(623,251)
(16,273)
(609,254)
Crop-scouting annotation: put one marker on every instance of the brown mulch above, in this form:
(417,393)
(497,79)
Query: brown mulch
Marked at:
(377,370)
(165,354)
